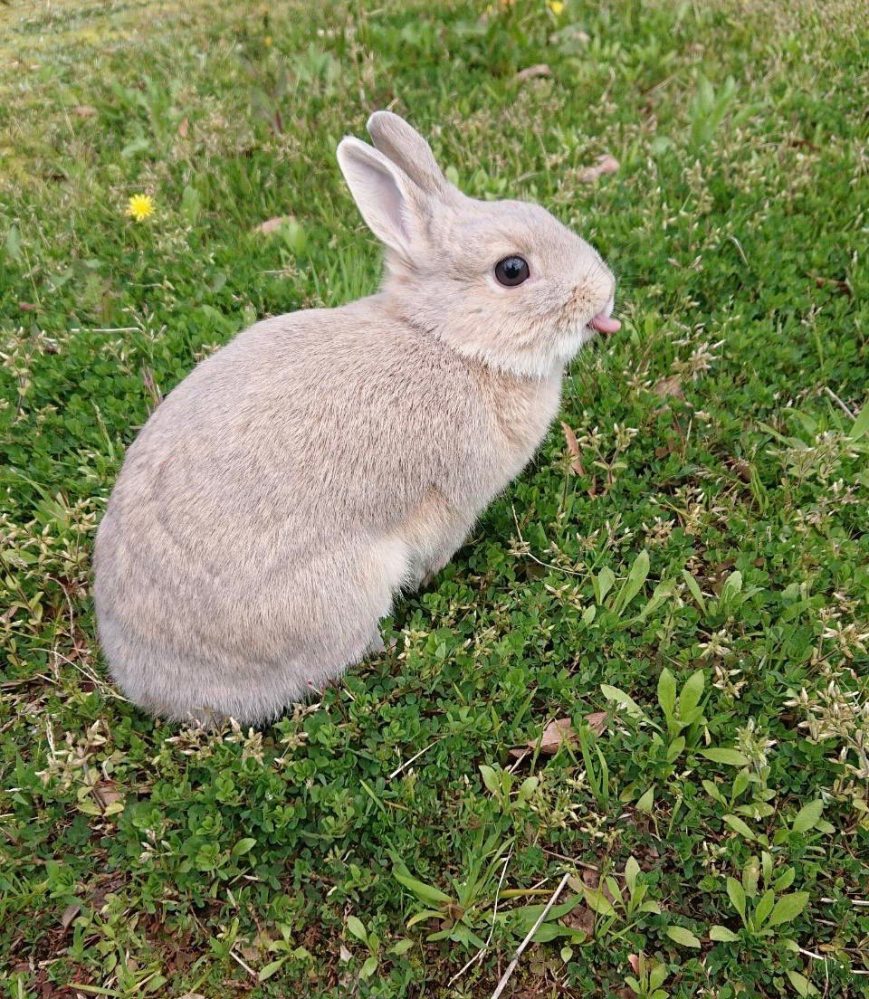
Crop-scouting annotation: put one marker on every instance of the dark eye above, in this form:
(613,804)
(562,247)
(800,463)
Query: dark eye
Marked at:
(512,271)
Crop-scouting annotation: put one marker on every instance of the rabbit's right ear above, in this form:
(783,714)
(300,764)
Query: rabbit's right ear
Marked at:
(387,199)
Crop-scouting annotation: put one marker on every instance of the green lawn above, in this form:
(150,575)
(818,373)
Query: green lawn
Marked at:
(682,576)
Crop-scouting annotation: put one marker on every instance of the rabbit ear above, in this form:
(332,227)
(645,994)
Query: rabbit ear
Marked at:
(383,193)
(407,149)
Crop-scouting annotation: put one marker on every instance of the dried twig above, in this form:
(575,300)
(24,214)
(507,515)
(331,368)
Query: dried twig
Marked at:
(837,400)
(511,967)
(246,967)
(407,763)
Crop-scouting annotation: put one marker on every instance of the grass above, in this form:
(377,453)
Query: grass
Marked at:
(681,578)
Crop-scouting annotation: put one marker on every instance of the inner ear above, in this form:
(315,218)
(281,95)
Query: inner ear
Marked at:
(385,196)
(386,192)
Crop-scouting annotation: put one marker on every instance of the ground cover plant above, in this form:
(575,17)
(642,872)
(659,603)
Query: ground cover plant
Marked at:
(643,682)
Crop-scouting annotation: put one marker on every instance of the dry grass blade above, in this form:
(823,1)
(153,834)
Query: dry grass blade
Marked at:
(532,72)
(573,449)
(603,165)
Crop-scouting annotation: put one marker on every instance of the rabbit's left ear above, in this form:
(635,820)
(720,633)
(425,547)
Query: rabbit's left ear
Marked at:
(408,150)
(389,201)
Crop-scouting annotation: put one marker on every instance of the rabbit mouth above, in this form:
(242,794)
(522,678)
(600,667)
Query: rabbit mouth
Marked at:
(603,321)
(604,324)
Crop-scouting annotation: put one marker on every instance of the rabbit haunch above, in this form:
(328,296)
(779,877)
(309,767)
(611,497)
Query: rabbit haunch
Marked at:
(282,495)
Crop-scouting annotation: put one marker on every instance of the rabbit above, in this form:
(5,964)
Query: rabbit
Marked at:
(296,481)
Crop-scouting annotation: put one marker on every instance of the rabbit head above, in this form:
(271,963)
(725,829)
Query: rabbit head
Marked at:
(502,282)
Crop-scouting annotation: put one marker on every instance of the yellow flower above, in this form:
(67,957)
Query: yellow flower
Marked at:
(556,6)
(267,41)
(140,207)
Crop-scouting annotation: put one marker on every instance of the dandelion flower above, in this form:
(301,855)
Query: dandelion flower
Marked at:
(140,207)
(556,6)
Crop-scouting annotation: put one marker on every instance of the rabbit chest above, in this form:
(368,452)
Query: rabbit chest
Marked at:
(522,410)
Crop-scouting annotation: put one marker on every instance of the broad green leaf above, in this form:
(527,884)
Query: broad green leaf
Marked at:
(634,583)
(613,887)
(729,757)
(667,692)
(190,204)
(603,583)
(369,967)
(713,792)
(694,589)
(802,985)
(740,783)
(757,810)
(676,748)
(662,592)
(549,931)
(428,893)
(357,928)
(785,880)
(135,147)
(861,424)
(623,700)
(658,975)
(490,779)
(690,717)
(401,947)
(270,969)
(737,825)
(13,243)
(632,869)
(598,902)
(808,816)
(722,934)
(293,236)
(788,441)
(426,914)
(682,936)
(764,907)
(243,846)
(788,907)
(732,586)
(736,894)
(527,788)
(751,877)
(646,802)
(691,693)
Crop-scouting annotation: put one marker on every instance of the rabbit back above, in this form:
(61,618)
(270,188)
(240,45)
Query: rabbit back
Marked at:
(283,493)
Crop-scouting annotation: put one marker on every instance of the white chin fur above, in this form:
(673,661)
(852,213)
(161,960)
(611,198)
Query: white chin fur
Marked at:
(575,341)
(537,364)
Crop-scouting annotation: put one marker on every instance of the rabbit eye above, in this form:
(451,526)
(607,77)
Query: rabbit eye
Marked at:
(512,271)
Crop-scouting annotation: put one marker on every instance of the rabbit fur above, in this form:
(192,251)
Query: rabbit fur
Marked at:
(283,493)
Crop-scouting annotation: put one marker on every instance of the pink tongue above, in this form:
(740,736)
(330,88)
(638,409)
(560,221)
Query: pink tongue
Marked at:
(605,324)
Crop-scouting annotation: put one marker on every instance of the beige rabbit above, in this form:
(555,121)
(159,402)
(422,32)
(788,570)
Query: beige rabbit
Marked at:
(282,495)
